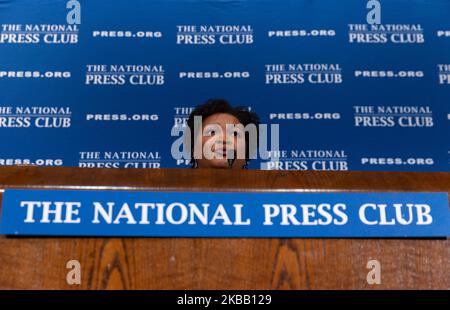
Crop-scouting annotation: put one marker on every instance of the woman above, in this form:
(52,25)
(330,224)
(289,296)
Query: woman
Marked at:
(223,144)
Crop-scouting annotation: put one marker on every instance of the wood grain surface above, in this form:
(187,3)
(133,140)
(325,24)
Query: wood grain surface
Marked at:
(206,263)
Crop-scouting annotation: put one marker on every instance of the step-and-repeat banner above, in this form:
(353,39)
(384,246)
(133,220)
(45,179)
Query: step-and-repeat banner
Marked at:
(95,83)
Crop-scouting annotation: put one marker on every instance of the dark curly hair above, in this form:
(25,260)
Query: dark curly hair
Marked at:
(214,106)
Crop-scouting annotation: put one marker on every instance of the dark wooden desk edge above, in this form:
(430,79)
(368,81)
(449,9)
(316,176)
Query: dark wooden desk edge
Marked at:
(237,180)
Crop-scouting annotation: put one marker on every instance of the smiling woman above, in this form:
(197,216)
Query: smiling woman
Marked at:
(223,136)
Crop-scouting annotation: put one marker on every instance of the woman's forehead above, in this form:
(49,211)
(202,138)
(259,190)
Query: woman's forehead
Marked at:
(221,119)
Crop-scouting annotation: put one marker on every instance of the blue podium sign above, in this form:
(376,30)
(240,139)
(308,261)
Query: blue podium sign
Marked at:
(223,214)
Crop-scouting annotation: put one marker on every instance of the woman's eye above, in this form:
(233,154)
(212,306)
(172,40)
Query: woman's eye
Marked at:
(211,132)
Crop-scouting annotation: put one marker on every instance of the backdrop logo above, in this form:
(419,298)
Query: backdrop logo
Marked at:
(393,116)
(35,117)
(443,33)
(136,75)
(214,34)
(386,33)
(304,116)
(29,161)
(278,74)
(399,161)
(381,74)
(35,34)
(119,159)
(213,75)
(127,34)
(444,74)
(121,117)
(74,14)
(181,115)
(35,74)
(301,33)
(325,160)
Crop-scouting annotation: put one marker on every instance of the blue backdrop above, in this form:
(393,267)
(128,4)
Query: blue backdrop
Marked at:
(106,92)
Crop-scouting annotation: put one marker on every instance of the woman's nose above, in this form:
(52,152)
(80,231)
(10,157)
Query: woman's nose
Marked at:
(228,140)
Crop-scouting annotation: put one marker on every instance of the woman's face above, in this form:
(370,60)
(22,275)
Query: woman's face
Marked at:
(217,139)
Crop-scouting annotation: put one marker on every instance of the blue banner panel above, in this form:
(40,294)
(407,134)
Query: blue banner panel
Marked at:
(220,214)
(352,84)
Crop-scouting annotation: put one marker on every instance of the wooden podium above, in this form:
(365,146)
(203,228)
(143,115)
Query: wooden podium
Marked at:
(222,263)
